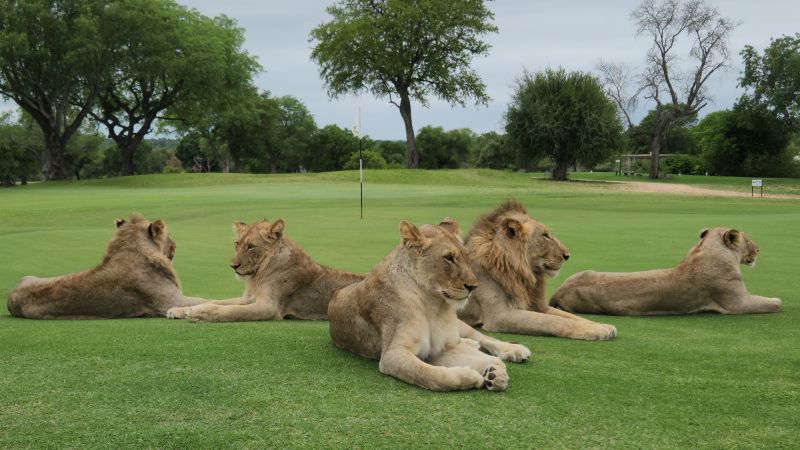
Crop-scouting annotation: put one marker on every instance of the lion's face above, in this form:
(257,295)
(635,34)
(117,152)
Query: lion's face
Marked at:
(543,251)
(440,260)
(736,241)
(254,245)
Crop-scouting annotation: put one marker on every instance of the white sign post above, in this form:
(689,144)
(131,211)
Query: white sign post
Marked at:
(756,183)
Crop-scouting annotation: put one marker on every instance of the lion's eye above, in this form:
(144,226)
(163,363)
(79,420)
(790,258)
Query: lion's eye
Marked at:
(450,258)
(547,235)
(250,247)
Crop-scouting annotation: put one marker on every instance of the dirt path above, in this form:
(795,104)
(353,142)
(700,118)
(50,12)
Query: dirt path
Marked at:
(685,189)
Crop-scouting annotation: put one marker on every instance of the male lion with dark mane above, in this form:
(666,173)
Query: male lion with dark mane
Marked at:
(707,280)
(404,313)
(135,279)
(281,280)
(512,254)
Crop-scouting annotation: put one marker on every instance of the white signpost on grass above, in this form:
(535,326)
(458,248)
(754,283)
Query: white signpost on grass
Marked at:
(756,183)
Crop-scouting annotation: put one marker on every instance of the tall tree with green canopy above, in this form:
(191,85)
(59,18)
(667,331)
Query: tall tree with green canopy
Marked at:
(169,58)
(52,60)
(564,116)
(774,77)
(404,50)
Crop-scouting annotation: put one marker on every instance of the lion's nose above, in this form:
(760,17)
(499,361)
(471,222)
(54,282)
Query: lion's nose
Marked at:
(566,256)
(235,266)
(470,287)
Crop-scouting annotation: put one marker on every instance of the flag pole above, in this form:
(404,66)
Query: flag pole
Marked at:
(357,132)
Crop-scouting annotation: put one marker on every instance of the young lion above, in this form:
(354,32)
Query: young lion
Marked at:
(281,280)
(708,279)
(135,279)
(512,254)
(404,313)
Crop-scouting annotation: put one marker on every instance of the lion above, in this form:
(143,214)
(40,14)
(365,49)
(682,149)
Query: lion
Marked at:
(707,280)
(404,314)
(281,280)
(134,279)
(512,254)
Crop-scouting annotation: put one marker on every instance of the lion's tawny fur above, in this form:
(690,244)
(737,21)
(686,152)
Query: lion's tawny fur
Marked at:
(404,313)
(281,280)
(708,279)
(135,278)
(512,254)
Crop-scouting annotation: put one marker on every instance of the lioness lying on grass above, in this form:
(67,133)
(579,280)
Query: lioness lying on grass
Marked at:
(404,313)
(708,279)
(135,279)
(281,280)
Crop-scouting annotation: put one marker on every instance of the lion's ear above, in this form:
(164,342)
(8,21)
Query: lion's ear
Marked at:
(511,227)
(732,237)
(156,229)
(238,226)
(119,222)
(451,225)
(703,233)
(276,230)
(410,234)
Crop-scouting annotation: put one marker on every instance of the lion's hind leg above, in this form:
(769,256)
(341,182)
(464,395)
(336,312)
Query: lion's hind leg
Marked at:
(465,354)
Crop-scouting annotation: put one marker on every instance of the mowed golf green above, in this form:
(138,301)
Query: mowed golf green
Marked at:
(704,381)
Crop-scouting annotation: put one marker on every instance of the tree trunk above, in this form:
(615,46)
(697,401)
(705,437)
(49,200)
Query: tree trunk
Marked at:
(126,153)
(54,167)
(560,171)
(655,146)
(412,157)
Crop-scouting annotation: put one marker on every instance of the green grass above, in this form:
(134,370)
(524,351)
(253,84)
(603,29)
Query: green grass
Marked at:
(703,381)
(739,184)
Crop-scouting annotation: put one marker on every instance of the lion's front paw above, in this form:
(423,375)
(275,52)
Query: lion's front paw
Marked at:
(198,313)
(471,343)
(612,330)
(495,378)
(513,352)
(177,313)
(595,332)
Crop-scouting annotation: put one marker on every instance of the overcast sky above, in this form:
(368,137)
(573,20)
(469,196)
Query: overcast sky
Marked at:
(533,35)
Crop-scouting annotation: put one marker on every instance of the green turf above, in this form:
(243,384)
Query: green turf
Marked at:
(739,184)
(705,381)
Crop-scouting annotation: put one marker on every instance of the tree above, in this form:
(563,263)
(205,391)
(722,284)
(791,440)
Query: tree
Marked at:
(564,116)
(170,57)
(332,147)
(444,150)
(84,154)
(404,50)
(370,158)
(20,147)
(394,152)
(492,150)
(294,132)
(52,60)
(620,85)
(745,141)
(676,138)
(774,78)
(678,93)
